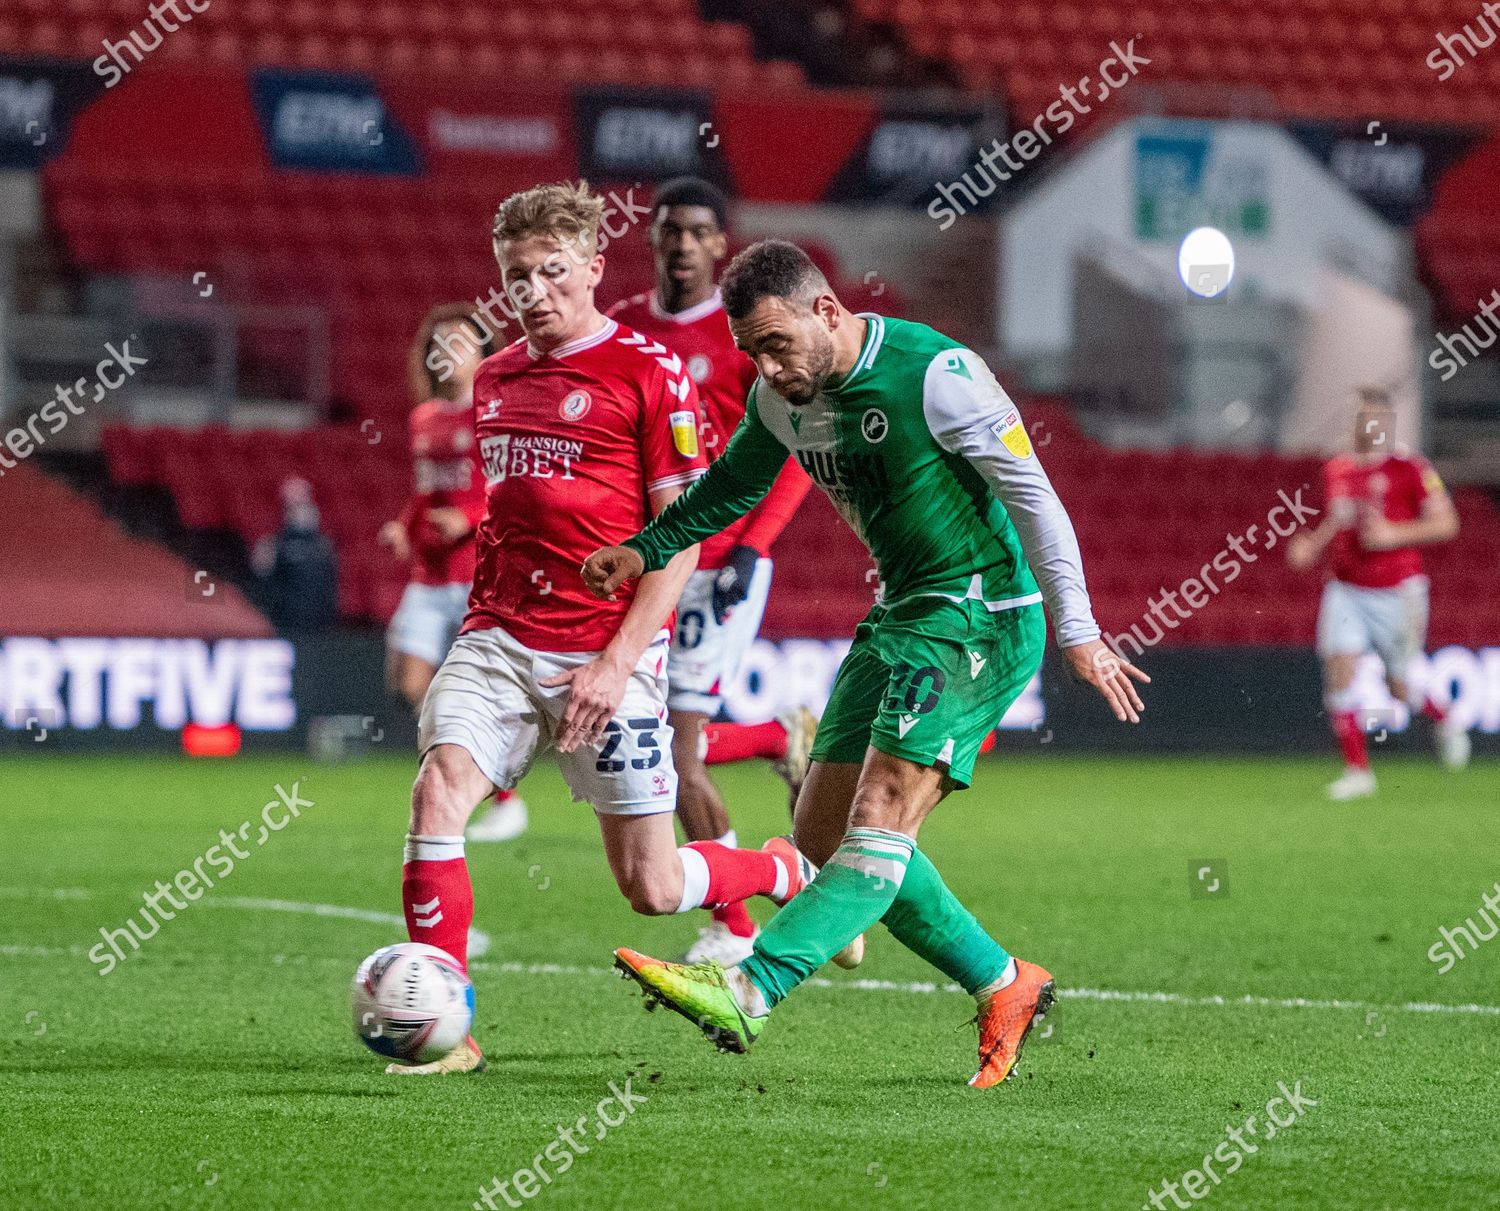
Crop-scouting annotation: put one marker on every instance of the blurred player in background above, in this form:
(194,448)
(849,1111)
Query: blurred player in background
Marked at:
(721,608)
(586,430)
(925,456)
(1382,508)
(436,530)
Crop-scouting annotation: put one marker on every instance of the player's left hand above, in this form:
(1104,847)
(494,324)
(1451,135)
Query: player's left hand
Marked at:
(595,691)
(1095,664)
(451,523)
(732,581)
(608,568)
(1377,534)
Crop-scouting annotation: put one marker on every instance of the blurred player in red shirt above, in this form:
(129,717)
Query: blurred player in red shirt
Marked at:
(436,529)
(721,607)
(1383,507)
(586,430)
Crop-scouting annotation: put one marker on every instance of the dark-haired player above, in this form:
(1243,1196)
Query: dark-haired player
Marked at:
(436,529)
(926,457)
(721,607)
(1383,506)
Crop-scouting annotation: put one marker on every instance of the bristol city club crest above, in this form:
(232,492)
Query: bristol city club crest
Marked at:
(576,406)
(699,368)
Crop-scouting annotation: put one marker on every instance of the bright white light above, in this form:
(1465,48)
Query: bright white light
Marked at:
(1206,262)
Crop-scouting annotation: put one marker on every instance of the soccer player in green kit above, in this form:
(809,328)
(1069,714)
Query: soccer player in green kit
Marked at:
(926,457)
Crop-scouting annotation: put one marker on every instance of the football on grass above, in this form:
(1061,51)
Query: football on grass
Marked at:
(412,1002)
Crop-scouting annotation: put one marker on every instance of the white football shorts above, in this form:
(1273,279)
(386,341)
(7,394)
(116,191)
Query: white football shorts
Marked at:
(488,700)
(1390,622)
(427,620)
(706,654)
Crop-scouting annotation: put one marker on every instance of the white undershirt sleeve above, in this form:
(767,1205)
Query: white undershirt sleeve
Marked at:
(969,414)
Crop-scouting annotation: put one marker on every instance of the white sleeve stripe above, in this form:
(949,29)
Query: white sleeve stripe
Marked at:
(676,481)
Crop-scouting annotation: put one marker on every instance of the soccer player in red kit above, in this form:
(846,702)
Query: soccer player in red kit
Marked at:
(585,432)
(1383,507)
(436,529)
(721,607)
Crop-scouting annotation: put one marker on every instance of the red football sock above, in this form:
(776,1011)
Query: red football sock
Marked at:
(737,874)
(436,895)
(1351,739)
(735,918)
(742,741)
(1434,712)
(503,796)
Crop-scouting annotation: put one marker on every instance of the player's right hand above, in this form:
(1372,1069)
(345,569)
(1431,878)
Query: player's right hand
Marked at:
(393,535)
(609,567)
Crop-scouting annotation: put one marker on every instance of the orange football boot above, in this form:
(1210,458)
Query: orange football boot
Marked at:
(1007,1018)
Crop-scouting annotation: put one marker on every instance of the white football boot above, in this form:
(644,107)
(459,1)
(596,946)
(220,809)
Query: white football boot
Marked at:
(501,821)
(718,942)
(1352,784)
(1453,744)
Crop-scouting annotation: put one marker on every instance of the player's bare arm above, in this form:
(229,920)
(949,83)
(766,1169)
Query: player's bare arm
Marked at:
(596,689)
(452,523)
(1306,547)
(1438,523)
(394,538)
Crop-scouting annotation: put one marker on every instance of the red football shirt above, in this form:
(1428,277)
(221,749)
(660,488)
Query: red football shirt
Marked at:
(724,376)
(446,474)
(571,443)
(1394,488)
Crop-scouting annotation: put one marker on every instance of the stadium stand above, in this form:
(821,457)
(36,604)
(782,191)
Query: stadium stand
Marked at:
(1282,48)
(583,41)
(375,251)
(1459,238)
(1176,507)
(58,550)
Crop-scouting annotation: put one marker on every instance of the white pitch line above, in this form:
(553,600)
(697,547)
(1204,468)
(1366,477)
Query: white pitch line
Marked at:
(45,893)
(479,941)
(926,988)
(479,944)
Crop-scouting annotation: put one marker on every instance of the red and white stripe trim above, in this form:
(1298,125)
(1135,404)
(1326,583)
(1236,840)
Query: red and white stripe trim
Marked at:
(680,480)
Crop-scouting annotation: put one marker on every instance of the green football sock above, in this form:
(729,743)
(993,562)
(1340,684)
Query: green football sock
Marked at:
(928,920)
(852,891)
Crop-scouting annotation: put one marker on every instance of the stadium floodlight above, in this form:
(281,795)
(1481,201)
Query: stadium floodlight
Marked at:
(1206,262)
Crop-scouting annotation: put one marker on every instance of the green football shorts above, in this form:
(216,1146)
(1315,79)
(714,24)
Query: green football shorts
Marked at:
(927,679)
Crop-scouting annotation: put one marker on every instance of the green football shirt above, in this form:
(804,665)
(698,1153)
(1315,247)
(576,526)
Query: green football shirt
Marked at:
(923,453)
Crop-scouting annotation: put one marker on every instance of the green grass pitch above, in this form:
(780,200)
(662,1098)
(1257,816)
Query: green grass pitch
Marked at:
(217,1067)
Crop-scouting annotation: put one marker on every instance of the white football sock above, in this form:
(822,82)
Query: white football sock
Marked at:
(1006,978)
(751,1000)
(694,879)
(433,849)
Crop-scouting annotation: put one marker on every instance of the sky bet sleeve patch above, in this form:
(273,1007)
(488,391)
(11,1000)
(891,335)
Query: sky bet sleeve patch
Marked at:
(685,433)
(1012,434)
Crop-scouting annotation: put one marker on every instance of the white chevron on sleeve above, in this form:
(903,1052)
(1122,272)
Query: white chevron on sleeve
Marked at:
(665,358)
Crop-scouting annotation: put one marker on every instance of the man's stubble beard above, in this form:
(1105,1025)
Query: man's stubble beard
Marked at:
(820,369)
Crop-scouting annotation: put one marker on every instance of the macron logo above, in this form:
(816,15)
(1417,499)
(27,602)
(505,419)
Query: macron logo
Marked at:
(427,916)
(976,665)
(905,724)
